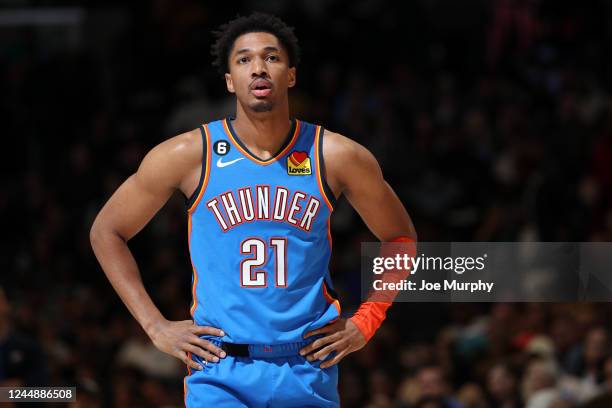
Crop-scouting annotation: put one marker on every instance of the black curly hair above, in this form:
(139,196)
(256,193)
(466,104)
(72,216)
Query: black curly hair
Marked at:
(254,23)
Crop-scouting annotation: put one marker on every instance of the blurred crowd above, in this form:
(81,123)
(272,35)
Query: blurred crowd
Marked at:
(491,119)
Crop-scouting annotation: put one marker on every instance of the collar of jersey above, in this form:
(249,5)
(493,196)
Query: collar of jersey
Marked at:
(290,140)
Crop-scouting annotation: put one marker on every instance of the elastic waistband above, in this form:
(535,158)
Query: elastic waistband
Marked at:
(261,350)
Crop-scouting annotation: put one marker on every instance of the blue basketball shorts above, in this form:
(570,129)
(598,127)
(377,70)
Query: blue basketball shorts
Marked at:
(290,381)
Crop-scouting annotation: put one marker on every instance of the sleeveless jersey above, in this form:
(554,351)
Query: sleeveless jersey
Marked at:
(259,238)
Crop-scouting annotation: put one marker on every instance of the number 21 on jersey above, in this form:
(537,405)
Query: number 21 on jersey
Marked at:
(250,276)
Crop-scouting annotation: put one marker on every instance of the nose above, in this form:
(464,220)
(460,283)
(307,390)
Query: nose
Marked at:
(259,68)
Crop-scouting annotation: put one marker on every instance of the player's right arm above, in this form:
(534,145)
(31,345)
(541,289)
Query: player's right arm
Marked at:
(167,167)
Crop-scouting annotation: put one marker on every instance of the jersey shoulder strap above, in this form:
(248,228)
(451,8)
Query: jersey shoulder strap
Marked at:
(205,171)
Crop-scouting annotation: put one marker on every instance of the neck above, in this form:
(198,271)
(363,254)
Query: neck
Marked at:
(262,132)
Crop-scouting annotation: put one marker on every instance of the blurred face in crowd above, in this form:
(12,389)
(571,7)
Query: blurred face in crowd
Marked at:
(431,382)
(472,396)
(540,375)
(259,72)
(380,384)
(564,333)
(596,345)
(501,383)
(607,371)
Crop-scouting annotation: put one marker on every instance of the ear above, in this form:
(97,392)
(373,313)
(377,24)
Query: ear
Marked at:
(292,77)
(229,83)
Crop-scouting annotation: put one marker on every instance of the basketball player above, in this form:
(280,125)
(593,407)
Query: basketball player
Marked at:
(266,328)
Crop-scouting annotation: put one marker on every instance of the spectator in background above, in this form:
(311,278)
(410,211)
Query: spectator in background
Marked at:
(139,353)
(87,395)
(434,388)
(607,375)
(471,395)
(565,335)
(432,402)
(595,350)
(502,387)
(22,361)
(604,400)
(539,386)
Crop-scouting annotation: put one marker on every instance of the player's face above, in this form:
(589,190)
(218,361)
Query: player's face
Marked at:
(259,71)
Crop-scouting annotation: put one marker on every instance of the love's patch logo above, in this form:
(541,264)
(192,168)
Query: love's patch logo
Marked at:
(298,164)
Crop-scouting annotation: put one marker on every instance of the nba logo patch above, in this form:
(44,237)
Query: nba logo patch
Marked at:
(298,164)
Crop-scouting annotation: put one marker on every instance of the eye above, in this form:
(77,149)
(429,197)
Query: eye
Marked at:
(272,58)
(243,60)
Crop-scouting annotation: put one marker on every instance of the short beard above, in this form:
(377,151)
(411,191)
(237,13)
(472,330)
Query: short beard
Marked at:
(261,106)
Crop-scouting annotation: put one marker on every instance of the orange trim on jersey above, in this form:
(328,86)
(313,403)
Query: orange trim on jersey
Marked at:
(319,175)
(255,159)
(330,299)
(195,272)
(206,175)
(329,235)
(190,210)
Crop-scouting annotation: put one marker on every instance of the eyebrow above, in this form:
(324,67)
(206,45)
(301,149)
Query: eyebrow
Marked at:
(268,48)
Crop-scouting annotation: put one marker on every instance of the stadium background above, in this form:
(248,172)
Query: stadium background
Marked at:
(491,119)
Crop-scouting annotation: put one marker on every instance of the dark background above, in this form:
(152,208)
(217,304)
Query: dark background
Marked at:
(491,119)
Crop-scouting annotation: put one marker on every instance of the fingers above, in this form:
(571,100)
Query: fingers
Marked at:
(325,329)
(186,358)
(318,343)
(324,352)
(207,345)
(213,331)
(205,355)
(336,359)
(208,351)
(197,330)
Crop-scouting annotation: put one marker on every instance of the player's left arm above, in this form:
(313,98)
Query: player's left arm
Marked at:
(353,171)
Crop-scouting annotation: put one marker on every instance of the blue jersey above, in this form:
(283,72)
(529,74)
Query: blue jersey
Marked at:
(259,238)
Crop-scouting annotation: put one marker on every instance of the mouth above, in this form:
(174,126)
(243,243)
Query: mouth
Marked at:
(261,88)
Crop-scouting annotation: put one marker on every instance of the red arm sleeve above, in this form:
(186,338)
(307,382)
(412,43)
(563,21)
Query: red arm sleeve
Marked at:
(373,312)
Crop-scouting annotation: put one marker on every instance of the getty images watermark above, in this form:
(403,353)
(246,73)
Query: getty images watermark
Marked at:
(487,272)
(413,264)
